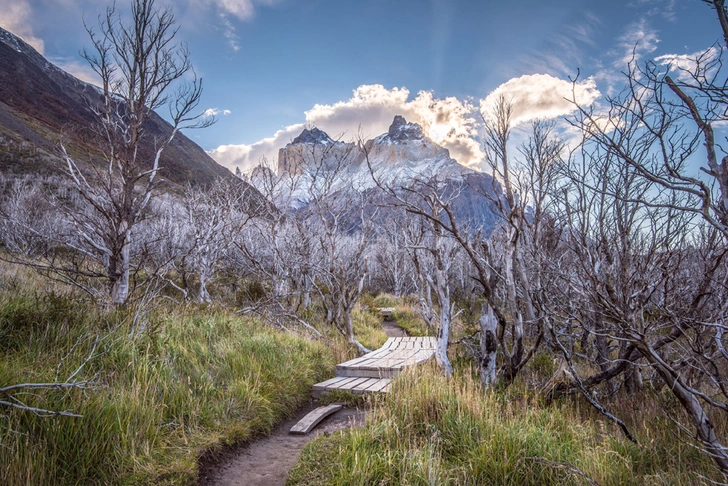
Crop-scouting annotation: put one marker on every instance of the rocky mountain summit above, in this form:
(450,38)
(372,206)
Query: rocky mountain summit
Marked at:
(313,137)
(400,131)
(403,152)
(310,148)
(398,157)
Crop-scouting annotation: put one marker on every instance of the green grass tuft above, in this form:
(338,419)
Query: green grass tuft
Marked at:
(204,378)
(429,430)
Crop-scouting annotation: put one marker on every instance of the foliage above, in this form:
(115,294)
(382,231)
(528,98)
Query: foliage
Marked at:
(205,378)
(430,430)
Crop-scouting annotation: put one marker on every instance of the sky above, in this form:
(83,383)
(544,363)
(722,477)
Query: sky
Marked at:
(273,67)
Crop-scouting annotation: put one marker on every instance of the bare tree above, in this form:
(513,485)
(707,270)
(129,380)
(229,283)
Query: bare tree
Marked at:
(214,217)
(429,243)
(649,231)
(337,214)
(393,270)
(506,265)
(277,249)
(27,217)
(141,67)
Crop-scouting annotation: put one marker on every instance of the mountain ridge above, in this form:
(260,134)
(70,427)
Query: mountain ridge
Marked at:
(398,157)
(40,104)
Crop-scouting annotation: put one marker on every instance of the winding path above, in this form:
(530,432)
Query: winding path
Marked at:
(266,462)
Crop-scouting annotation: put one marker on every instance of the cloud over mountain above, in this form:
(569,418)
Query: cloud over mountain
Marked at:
(16,17)
(449,122)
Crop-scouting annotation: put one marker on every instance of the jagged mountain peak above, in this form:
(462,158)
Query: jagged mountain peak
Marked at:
(313,136)
(400,131)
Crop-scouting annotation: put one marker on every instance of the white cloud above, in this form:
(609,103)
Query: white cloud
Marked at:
(15,16)
(701,63)
(216,112)
(535,96)
(560,54)
(248,156)
(639,39)
(448,122)
(663,8)
(230,34)
(242,9)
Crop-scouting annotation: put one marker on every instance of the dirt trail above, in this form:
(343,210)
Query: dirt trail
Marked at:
(266,462)
(393,330)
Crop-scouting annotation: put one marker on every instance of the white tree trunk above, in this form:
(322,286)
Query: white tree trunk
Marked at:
(203,296)
(442,288)
(443,337)
(120,284)
(488,346)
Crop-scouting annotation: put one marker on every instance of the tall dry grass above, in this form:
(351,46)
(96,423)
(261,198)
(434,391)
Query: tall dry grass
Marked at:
(432,431)
(195,379)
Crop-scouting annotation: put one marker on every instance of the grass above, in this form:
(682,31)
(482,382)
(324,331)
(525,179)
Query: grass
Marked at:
(405,314)
(368,329)
(411,321)
(198,378)
(429,430)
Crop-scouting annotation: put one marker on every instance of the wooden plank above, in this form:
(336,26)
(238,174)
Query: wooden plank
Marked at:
(321,388)
(350,385)
(339,384)
(361,387)
(367,373)
(379,386)
(326,383)
(386,362)
(354,361)
(313,418)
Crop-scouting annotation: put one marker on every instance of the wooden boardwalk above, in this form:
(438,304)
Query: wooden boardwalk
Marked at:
(372,372)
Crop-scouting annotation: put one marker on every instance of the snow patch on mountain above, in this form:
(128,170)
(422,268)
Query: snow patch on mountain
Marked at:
(397,157)
(12,40)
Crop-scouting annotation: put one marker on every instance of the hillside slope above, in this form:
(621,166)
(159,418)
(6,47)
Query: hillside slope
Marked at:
(40,104)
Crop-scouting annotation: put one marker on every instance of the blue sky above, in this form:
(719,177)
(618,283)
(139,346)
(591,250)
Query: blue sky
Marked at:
(272,66)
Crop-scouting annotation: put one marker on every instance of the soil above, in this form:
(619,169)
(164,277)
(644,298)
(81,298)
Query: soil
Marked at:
(393,330)
(266,462)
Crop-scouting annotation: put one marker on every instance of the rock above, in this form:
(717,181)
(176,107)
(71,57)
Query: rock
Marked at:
(401,131)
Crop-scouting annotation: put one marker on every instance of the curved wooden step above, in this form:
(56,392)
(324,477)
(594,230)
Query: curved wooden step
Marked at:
(313,418)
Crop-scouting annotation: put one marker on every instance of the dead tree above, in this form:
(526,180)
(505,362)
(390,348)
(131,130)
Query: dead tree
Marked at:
(214,218)
(653,255)
(142,68)
(336,211)
(506,266)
